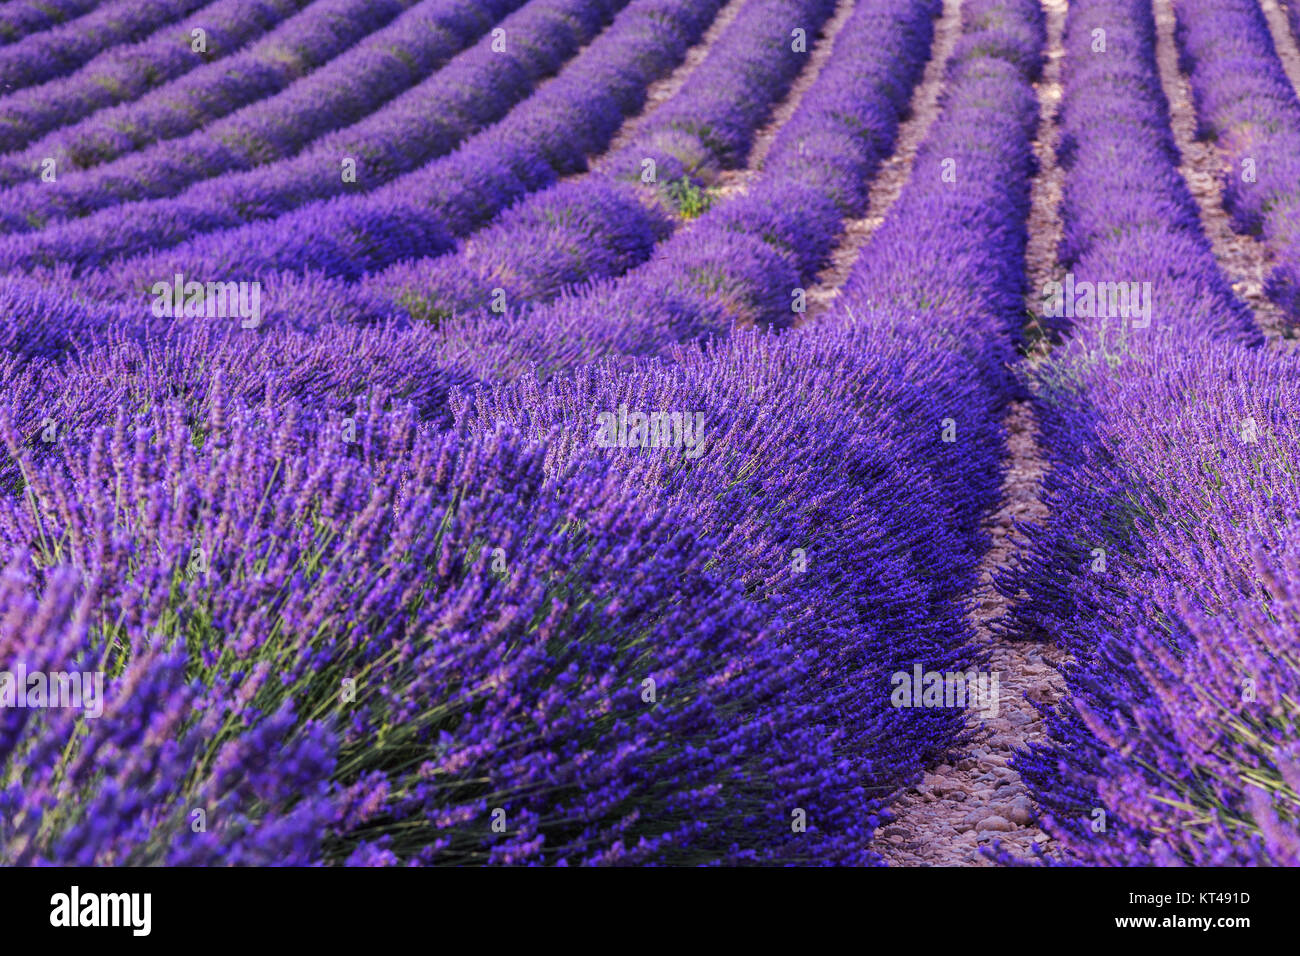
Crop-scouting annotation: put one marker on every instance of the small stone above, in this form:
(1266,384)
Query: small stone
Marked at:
(1021,812)
(995,823)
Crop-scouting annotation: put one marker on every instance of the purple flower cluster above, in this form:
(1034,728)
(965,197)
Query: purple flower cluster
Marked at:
(124,73)
(1167,567)
(1246,103)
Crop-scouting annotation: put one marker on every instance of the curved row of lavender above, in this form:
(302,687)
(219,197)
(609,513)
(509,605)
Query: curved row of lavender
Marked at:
(18,18)
(44,56)
(322,31)
(406,56)
(1246,103)
(126,72)
(710,122)
(594,226)
(747,260)
(548,136)
(1167,568)
(475,90)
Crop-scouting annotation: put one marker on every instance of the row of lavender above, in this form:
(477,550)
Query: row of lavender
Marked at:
(711,120)
(352,91)
(127,72)
(19,18)
(303,43)
(57,52)
(594,225)
(1167,570)
(1246,103)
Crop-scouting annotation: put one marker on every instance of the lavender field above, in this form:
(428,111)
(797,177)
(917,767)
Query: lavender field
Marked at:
(650,432)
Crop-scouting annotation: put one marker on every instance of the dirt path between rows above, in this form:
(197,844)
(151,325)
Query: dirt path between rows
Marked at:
(895,171)
(1243,259)
(735,181)
(1045,224)
(977,798)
